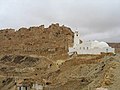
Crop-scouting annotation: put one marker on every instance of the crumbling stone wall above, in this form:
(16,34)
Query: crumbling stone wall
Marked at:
(36,40)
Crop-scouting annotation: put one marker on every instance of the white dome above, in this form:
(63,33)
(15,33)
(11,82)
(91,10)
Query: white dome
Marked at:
(103,44)
(97,44)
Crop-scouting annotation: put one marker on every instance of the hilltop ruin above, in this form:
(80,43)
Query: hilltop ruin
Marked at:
(36,40)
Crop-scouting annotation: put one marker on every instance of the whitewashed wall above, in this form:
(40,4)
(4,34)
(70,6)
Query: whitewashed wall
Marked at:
(89,47)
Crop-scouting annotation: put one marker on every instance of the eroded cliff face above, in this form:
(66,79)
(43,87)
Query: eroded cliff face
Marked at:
(36,40)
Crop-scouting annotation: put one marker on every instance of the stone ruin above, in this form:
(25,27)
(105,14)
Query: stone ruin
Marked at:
(36,40)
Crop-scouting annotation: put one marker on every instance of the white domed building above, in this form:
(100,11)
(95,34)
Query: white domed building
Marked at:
(89,47)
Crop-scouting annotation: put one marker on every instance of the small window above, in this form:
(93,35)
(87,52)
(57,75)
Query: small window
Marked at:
(106,50)
(80,47)
(80,41)
(84,48)
(87,48)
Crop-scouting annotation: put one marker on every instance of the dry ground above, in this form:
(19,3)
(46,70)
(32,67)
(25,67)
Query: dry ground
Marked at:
(73,73)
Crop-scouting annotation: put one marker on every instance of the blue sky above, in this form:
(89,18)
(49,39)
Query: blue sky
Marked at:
(95,19)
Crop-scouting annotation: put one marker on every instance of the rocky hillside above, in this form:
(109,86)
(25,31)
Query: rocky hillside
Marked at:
(76,73)
(76,76)
(39,54)
(116,46)
(36,40)
(20,67)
